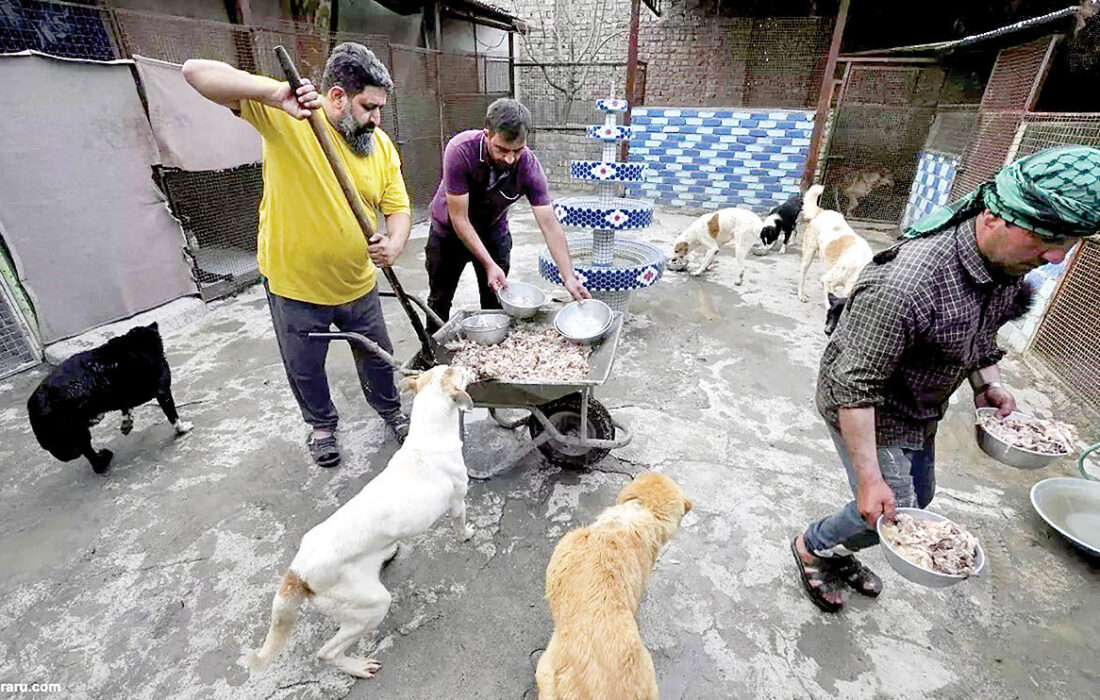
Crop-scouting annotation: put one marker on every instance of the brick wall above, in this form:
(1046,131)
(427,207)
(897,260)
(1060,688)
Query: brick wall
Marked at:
(694,58)
(557,147)
(702,159)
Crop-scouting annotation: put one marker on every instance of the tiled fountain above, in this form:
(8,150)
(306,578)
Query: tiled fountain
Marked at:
(610,267)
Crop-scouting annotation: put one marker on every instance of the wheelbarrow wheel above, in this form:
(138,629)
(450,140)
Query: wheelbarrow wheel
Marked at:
(565,415)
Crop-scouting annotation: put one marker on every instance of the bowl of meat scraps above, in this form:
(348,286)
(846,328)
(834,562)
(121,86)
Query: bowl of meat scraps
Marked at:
(929,549)
(1021,440)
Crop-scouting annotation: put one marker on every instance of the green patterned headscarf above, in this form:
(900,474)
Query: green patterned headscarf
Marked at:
(1054,193)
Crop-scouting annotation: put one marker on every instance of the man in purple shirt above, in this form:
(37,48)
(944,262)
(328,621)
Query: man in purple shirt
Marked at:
(484,172)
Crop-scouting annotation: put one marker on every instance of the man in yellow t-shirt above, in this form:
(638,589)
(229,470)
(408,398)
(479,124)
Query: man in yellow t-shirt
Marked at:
(318,269)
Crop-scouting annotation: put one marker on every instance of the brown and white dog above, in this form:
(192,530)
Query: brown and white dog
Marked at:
(338,563)
(845,254)
(857,183)
(594,582)
(740,227)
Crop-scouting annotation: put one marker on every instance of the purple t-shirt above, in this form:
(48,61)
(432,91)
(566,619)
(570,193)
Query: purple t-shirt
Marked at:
(467,170)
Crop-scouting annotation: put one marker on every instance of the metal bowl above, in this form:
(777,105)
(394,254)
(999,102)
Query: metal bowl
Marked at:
(584,322)
(521,300)
(1072,507)
(919,574)
(1006,453)
(487,329)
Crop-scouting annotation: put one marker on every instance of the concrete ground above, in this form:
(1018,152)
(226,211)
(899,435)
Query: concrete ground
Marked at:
(149,582)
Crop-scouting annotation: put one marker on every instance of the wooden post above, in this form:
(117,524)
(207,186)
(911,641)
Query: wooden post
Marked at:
(512,66)
(632,65)
(825,95)
(244,12)
(438,27)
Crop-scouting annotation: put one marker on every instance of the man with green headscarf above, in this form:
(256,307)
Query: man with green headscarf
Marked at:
(922,318)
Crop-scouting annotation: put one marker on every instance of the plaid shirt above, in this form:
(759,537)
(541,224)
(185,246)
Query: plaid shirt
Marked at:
(922,316)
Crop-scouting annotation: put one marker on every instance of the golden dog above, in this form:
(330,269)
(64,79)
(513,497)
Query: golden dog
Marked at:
(594,583)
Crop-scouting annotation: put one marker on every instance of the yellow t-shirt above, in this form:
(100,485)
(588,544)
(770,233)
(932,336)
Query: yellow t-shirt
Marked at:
(310,245)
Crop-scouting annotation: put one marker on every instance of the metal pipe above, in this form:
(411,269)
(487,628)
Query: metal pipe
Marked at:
(824,95)
(632,66)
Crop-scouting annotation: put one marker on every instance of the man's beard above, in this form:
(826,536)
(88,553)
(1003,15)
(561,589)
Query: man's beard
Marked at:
(360,138)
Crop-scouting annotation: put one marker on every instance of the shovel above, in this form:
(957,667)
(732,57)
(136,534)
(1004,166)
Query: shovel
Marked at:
(428,346)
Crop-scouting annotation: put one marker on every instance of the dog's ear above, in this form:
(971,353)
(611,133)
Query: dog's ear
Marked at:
(154,326)
(463,401)
(687,506)
(409,385)
(453,383)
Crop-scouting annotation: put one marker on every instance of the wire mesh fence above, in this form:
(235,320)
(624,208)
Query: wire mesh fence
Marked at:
(883,117)
(1010,92)
(436,95)
(784,59)
(215,210)
(564,94)
(17,351)
(954,131)
(1067,335)
(62,29)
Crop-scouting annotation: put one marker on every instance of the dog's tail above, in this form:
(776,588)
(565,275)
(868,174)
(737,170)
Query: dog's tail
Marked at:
(284,614)
(810,206)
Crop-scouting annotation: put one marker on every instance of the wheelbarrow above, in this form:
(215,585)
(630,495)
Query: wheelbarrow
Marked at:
(564,420)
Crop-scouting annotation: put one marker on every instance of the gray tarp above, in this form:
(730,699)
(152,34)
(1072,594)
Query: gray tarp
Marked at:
(89,230)
(193,133)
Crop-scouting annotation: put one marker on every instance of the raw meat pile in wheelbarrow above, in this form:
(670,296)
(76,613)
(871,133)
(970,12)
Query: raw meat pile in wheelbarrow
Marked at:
(524,356)
(1043,435)
(939,545)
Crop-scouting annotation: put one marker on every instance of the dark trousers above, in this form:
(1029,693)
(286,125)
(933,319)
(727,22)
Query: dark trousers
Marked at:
(304,357)
(446,256)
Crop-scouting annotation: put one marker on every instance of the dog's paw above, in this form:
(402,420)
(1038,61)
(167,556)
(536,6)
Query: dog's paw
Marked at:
(803,298)
(254,662)
(360,668)
(102,461)
(182,427)
(466,534)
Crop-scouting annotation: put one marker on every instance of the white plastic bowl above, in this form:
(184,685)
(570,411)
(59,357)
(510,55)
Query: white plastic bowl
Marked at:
(919,574)
(1072,507)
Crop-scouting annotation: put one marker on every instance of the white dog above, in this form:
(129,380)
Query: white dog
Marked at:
(845,253)
(338,563)
(740,227)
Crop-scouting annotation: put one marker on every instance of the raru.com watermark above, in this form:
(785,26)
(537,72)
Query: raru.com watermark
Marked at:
(30,687)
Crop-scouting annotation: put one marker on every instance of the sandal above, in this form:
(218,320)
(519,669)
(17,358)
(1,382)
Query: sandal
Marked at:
(858,577)
(819,580)
(324,451)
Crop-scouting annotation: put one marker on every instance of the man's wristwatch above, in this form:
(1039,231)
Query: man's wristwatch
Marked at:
(986,387)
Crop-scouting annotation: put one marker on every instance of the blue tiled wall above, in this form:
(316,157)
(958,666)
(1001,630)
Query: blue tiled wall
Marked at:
(931,186)
(704,158)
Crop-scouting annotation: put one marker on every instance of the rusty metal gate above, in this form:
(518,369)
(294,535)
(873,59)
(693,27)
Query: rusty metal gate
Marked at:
(883,115)
(1067,335)
(1011,92)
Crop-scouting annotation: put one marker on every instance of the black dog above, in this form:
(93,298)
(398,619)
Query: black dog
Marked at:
(781,220)
(832,316)
(123,373)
